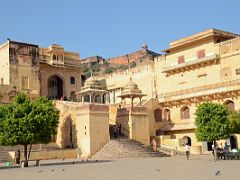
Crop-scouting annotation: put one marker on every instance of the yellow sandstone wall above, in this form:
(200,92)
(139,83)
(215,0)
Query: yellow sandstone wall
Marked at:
(90,127)
(5,67)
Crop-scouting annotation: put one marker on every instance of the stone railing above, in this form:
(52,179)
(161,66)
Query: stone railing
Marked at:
(132,109)
(72,62)
(200,88)
(230,47)
(137,109)
(93,107)
(190,63)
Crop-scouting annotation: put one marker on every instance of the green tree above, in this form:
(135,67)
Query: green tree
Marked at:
(235,122)
(108,70)
(133,64)
(26,122)
(212,122)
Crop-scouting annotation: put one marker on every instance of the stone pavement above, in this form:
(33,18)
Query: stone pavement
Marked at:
(169,168)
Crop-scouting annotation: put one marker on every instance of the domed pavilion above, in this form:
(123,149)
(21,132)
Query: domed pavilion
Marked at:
(93,92)
(132,91)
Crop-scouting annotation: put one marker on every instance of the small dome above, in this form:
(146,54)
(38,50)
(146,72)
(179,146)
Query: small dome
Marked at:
(92,82)
(131,87)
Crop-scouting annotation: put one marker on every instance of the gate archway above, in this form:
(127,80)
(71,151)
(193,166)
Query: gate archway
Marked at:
(233,142)
(55,87)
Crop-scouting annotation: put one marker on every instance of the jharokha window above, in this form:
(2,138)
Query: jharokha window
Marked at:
(167,114)
(230,105)
(181,59)
(201,53)
(185,112)
(72,80)
(158,115)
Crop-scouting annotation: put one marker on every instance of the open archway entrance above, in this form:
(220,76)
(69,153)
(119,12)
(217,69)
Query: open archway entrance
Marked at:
(55,87)
(233,142)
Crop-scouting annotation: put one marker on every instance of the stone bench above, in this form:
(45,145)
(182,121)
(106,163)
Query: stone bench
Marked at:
(233,155)
(229,155)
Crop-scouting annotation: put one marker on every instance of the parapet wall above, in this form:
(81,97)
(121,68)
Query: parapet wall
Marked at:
(83,126)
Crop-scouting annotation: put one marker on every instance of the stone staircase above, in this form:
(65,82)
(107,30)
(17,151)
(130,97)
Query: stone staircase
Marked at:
(122,147)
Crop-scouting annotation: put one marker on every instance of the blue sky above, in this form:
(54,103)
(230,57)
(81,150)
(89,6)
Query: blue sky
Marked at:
(113,27)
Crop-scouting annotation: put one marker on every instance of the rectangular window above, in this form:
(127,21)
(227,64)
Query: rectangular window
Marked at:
(181,59)
(201,54)
(238,71)
(83,79)
(25,83)
(2,80)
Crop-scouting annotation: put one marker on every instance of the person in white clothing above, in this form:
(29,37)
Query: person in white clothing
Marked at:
(187,150)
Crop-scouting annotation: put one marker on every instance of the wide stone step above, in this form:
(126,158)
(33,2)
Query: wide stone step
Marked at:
(125,148)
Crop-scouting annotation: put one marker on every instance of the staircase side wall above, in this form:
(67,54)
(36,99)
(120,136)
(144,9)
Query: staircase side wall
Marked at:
(151,105)
(140,127)
(67,117)
(83,133)
(99,130)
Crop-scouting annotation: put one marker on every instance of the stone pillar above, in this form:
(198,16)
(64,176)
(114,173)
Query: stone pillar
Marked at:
(90,98)
(82,100)
(101,98)
(132,101)
(140,98)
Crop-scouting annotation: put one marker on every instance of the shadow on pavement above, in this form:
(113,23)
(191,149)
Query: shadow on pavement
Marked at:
(58,163)
(74,162)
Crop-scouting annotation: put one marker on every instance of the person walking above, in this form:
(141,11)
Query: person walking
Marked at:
(187,150)
(18,157)
(115,131)
(120,129)
(225,151)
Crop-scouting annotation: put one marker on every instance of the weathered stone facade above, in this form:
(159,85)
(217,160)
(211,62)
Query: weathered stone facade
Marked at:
(50,72)
(202,67)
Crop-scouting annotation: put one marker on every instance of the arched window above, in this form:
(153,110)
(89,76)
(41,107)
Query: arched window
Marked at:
(167,114)
(158,115)
(229,104)
(185,112)
(72,80)
(54,57)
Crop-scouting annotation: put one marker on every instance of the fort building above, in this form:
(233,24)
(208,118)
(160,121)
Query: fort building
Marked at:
(156,99)
(51,72)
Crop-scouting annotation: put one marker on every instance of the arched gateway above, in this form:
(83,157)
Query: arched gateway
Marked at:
(55,87)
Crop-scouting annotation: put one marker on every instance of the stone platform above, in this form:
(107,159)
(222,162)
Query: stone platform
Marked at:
(170,168)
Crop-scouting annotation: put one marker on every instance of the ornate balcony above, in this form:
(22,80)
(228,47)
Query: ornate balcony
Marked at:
(202,93)
(66,62)
(193,64)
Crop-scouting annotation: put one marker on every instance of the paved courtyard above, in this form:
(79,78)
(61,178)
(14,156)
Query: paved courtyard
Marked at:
(199,167)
